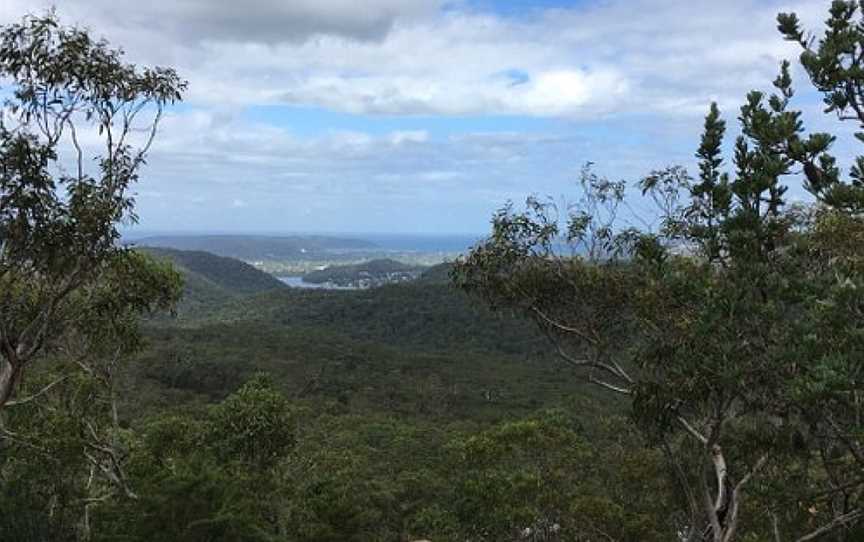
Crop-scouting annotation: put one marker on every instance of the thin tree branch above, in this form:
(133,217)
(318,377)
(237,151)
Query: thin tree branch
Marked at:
(589,364)
(689,495)
(38,394)
(692,430)
(735,501)
(561,327)
(608,386)
(840,521)
(775,523)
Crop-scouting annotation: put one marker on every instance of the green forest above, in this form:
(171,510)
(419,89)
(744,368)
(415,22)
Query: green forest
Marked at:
(572,377)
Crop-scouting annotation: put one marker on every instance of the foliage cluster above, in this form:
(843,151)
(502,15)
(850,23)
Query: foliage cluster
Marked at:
(734,325)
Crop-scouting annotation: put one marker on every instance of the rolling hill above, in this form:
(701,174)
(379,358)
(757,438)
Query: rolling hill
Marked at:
(212,280)
(419,348)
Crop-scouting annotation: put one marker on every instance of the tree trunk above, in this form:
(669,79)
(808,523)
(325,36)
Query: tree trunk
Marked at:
(720,508)
(9,374)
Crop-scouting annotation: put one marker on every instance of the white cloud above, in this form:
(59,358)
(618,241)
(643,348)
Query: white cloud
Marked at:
(407,57)
(409,136)
(630,79)
(402,176)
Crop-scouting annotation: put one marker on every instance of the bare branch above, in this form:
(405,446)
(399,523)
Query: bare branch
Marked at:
(13,437)
(608,386)
(840,521)
(586,363)
(38,394)
(621,372)
(753,471)
(692,430)
(687,490)
(561,327)
(735,504)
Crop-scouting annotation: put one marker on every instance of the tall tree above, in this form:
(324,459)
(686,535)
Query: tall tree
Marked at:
(733,328)
(61,200)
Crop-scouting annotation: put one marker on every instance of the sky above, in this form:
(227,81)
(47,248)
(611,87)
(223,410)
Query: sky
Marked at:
(424,116)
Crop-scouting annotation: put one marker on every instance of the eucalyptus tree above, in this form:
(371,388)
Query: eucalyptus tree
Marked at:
(732,323)
(63,452)
(77,123)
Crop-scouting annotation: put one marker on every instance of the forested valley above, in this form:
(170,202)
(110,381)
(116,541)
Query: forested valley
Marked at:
(571,377)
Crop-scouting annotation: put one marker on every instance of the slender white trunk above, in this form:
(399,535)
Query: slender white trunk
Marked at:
(719,462)
(8,378)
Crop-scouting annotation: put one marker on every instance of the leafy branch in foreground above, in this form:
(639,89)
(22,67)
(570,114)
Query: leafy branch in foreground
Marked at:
(60,198)
(734,330)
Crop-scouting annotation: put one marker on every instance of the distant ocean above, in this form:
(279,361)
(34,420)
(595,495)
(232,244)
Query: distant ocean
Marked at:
(421,243)
(396,242)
